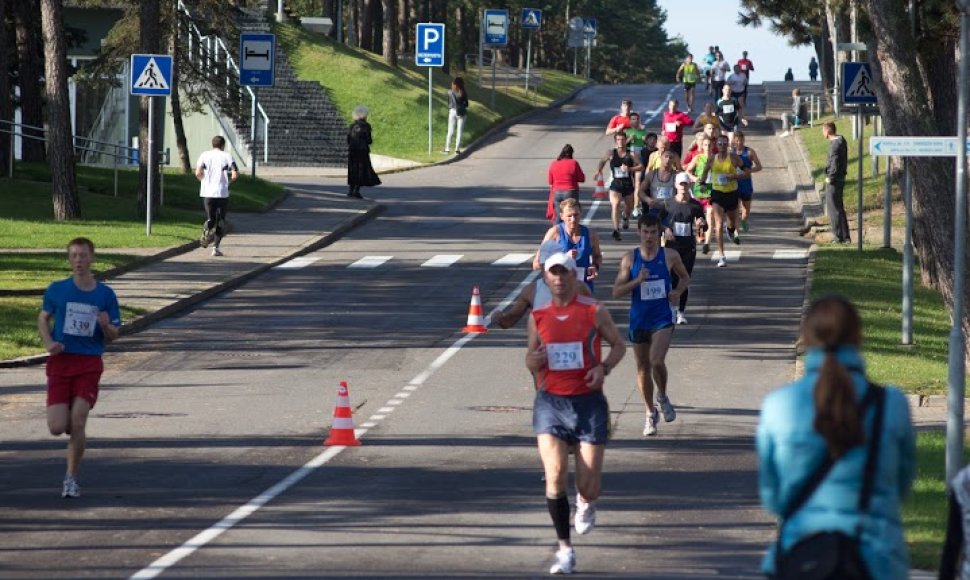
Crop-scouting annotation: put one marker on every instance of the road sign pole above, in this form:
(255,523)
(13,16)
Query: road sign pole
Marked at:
(887,205)
(528,62)
(252,130)
(150,160)
(481,47)
(859,209)
(429,112)
(493,79)
(907,310)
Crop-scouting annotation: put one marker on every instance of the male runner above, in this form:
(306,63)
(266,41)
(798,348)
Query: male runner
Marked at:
(747,67)
(85,315)
(621,121)
(564,357)
(738,81)
(729,112)
(673,125)
(688,73)
(645,275)
(216,169)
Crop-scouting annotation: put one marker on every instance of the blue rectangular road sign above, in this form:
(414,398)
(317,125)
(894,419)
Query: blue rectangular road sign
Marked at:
(496,27)
(858,87)
(531,19)
(431,44)
(589,27)
(151,75)
(257,59)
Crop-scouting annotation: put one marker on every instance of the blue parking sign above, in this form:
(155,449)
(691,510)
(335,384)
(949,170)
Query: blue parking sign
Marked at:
(531,19)
(431,44)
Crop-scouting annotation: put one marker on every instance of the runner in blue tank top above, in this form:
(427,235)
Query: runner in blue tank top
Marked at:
(645,274)
(576,240)
(750,164)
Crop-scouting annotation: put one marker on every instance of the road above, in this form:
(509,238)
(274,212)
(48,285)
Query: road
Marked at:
(204,412)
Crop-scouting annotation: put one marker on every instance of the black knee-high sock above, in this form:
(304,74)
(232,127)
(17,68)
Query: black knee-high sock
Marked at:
(559,510)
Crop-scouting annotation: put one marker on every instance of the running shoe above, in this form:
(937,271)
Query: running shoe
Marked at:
(722,262)
(585,515)
(565,561)
(681,319)
(650,427)
(71,489)
(730,234)
(616,235)
(668,410)
(635,213)
(216,251)
(706,248)
(206,238)
(626,222)
(736,239)
(744,226)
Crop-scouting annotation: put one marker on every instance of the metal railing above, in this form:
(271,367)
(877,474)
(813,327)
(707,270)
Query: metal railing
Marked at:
(505,75)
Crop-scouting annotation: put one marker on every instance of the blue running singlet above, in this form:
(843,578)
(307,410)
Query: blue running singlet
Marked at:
(650,309)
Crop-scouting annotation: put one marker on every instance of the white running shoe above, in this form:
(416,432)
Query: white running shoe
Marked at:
(650,427)
(71,489)
(565,561)
(722,262)
(668,410)
(216,251)
(585,515)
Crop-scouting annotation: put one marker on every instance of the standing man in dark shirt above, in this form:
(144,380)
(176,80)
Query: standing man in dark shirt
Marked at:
(836,165)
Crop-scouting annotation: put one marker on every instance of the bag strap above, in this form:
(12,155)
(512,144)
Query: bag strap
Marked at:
(869,473)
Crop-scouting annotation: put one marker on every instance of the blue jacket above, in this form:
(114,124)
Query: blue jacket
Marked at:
(789,450)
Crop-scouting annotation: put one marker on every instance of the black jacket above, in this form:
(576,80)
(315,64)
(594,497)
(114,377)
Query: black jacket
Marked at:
(836,164)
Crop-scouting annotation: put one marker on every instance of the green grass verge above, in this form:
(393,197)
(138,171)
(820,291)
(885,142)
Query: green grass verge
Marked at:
(37,270)
(398,97)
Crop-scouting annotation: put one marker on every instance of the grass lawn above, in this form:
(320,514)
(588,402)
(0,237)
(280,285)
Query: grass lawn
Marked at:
(28,271)
(924,511)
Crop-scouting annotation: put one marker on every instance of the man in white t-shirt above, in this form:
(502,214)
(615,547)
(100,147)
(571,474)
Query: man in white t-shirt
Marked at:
(216,169)
(738,81)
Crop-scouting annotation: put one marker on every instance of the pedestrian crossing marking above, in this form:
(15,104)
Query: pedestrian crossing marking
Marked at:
(790,255)
(300,262)
(729,255)
(861,85)
(513,259)
(370,261)
(151,77)
(442,260)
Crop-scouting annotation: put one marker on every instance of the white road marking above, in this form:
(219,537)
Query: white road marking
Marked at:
(513,259)
(377,417)
(301,262)
(386,410)
(442,260)
(402,395)
(368,425)
(789,255)
(411,388)
(394,402)
(729,255)
(370,262)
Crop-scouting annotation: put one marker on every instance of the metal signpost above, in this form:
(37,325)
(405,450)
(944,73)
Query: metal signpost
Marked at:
(257,68)
(151,76)
(430,53)
(589,32)
(496,26)
(576,39)
(531,20)
(857,89)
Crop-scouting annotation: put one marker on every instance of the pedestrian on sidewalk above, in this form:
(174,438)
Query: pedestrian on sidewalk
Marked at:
(85,316)
(794,117)
(829,467)
(836,167)
(564,176)
(216,169)
(813,69)
(457,112)
(360,172)
(570,410)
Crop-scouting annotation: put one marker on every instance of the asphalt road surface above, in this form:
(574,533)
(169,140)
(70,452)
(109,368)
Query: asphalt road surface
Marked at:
(222,411)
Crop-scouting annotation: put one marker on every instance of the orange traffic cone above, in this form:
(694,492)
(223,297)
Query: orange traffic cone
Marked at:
(476,322)
(342,430)
(600,191)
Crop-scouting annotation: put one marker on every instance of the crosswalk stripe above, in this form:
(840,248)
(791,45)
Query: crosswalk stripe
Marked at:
(300,262)
(789,255)
(370,262)
(729,255)
(442,261)
(513,259)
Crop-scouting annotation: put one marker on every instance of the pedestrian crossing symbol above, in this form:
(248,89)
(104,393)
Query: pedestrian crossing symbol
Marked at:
(151,75)
(859,87)
(531,19)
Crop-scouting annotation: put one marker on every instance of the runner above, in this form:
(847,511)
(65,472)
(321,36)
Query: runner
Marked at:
(751,164)
(725,169)
(699,169)
(673,124)
(624,168)
(564,357)
(645,275)
(689,74)
(682,214)
(719,72)
(738,81)
(85,316)
(708,116)
(747,67)
(215,169)
(709,59)
(729,112)
(658,185)
(577,240)
(637,135)
(621,121)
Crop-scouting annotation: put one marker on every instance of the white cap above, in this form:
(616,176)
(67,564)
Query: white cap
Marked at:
(560,259)
(548,248)
(682,177)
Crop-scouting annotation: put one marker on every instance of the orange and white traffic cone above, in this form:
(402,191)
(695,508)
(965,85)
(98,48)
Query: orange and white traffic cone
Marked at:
(600,191)
(342,430)
(476,322)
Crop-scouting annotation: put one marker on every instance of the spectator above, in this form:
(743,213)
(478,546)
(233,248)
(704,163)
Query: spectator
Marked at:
(789,76)
(457,112)
(952,564)
(836,167)
(791,120)
(565,175)
(813,69)
(360,173)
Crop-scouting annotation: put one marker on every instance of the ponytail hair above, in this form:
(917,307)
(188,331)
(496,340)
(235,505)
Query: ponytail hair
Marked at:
(566,153)
(831,322)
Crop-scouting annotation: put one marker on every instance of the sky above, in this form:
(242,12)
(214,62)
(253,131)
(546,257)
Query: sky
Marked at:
(772,56)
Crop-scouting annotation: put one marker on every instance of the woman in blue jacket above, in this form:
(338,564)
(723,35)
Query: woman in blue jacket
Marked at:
(818,414)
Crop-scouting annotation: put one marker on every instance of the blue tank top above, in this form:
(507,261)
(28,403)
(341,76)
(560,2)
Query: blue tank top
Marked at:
(650,309)
(584,249)
(744,185)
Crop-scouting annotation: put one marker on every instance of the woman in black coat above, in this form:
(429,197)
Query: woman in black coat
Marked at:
(360,173)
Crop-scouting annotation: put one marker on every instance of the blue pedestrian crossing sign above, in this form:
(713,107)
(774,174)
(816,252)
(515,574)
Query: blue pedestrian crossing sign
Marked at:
(858,87)
(531,19)
(431,44)
(151,75)
(257,59)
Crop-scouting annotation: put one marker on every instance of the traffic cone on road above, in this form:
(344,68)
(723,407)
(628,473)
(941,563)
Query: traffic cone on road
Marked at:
(342,430)
(476,322)
(600,191)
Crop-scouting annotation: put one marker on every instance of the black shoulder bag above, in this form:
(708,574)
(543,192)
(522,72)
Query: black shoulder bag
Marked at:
(832,555)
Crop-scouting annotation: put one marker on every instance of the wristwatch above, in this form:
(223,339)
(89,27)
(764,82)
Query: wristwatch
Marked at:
(606,368)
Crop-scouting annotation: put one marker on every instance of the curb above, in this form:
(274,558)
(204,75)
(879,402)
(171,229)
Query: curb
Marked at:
(147,320)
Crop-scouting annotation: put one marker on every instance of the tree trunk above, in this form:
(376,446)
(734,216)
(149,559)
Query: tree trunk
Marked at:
(148,18)
(6,101)
(403,27)
(59,137)
(31,69)
(181,144)
(907,105)
(366,25)
(354,29)
(390,31)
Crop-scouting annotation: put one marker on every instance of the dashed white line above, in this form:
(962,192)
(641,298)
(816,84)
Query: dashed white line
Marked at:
(789,255)
(301,262)
(513,259)
(370,262)
(442,260)
(729,255)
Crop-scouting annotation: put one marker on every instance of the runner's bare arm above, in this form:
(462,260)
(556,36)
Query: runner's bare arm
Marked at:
(535,355)
(596,257)
(551,234)
(44,330)
(607,330)
(676,265)
(510,316)
(623,285)
(110,330)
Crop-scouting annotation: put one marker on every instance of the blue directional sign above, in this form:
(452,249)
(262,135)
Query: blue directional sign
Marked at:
(431,44)
(151,75)
(496,27)
(257,59)
(857,84)
(531,19)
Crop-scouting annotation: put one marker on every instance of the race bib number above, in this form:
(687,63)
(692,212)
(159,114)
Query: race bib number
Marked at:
(670,127)
(722,179)
(565,356)
(653,290)
(665,192)
(621,172)
(683,229)
(728,109)
(744,67)
(80,318)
